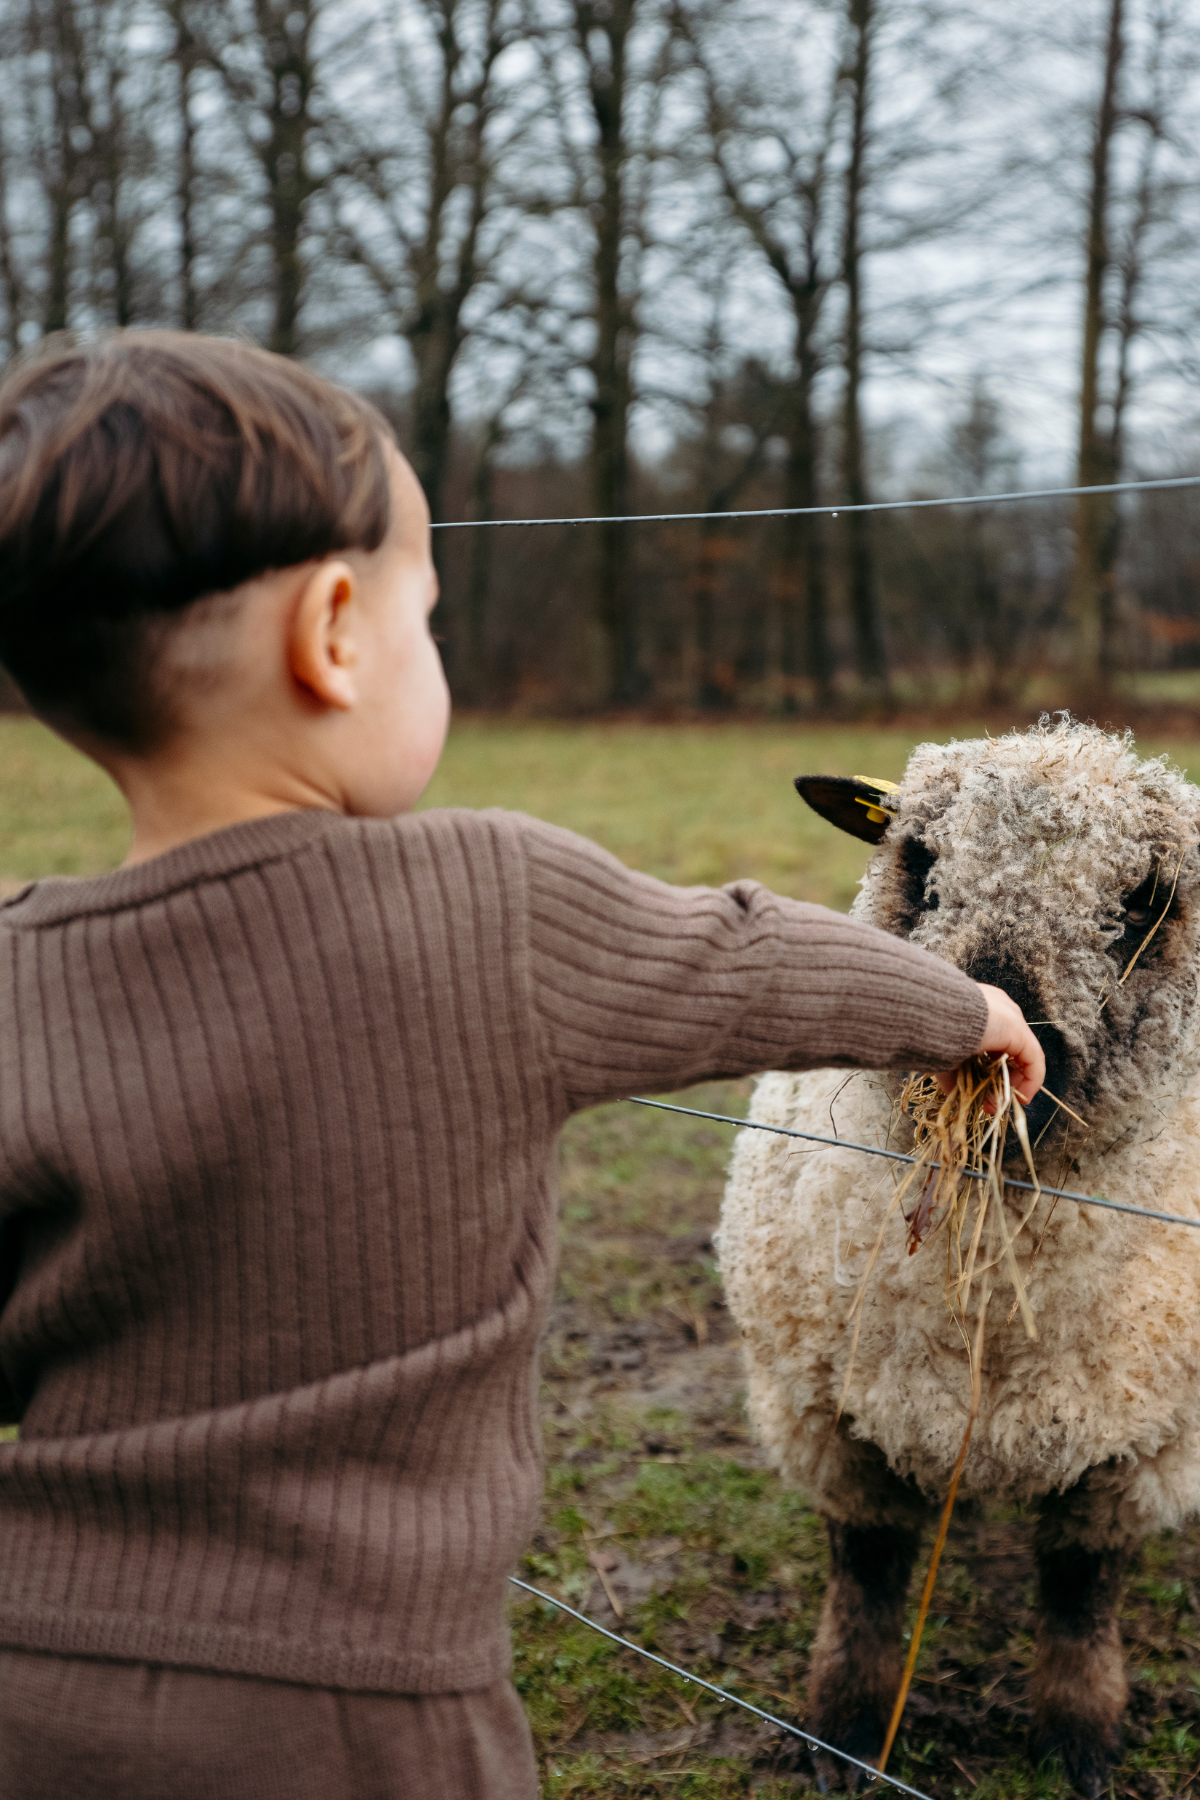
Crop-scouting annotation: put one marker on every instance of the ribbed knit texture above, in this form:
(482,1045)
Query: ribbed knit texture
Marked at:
(277,1224)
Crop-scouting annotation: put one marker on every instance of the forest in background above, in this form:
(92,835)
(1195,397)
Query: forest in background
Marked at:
(628,256)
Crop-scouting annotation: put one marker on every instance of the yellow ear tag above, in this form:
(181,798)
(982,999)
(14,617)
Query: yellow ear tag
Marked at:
(876,814)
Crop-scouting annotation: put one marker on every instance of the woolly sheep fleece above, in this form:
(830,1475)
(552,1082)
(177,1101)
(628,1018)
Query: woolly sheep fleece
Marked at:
(1037,839)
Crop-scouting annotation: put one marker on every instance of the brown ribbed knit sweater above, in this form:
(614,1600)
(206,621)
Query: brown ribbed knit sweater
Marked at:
(277,1224)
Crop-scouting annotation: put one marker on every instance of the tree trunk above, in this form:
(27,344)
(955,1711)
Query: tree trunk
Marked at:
(60,158)
(459,165)
(1095,529)
(610,363)
(430,449)
(711,684)
(285,29)
(111,164)
(479,575)
(709,692)
(869,650)
(433,338)
(806,647)
(184,57)
(799,577)
(10,278)
(89,159)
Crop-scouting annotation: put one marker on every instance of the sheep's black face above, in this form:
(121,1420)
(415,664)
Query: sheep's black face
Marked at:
(1058,867)
(911,884)
(917,863)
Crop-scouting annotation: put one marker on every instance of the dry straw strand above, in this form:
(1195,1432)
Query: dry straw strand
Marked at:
(966,1128)
(914,1647)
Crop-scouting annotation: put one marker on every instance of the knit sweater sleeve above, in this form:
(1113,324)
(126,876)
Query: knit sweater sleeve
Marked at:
(641,985)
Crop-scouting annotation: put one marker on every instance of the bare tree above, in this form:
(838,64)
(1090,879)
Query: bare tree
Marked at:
(1096,520)
(285,31)
(996,583)
(861,21)
(185,60)
(771,152)
(90,145)
(1132,239)
(605,67)
(822,187)
(12,279)
(58,144)
(602,30)
(119,153)
(265,53)
(750,404)
(431,183)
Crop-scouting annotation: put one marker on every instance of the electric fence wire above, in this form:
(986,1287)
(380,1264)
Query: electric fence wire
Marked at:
(1140,1212)
(805,512)
(814,1743)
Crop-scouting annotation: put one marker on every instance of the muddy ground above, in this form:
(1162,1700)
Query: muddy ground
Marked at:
(662,1522)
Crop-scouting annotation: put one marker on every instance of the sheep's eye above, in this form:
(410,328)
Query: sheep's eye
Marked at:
(916,862)
(1139,906)
(1142,912)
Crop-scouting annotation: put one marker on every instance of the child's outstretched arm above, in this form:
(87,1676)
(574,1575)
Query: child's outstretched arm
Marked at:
(642,986)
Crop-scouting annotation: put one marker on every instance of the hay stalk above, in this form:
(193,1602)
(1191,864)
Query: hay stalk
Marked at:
(976,1359)
(956,1132)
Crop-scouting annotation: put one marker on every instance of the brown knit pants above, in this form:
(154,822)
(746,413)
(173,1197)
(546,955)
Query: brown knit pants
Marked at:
(73,1729)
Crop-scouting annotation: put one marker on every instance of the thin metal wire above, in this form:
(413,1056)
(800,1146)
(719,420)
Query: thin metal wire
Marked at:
(816,1743)
(1141,1212)
(805,512)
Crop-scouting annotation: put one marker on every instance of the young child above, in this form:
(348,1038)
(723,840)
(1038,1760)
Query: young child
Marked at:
(278,1103)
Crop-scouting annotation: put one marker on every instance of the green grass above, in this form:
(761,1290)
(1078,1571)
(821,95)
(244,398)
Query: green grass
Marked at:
(58,814)
(689,803)
(649,1460)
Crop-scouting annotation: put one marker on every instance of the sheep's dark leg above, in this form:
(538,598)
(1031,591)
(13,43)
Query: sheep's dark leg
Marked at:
(858,1655)
(1079,1687)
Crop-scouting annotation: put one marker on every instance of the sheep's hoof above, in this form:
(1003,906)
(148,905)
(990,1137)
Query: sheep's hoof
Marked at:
(861,1738)
(1088,1755)
(835,1777)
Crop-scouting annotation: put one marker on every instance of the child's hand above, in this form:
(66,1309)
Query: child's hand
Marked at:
(1008,1034)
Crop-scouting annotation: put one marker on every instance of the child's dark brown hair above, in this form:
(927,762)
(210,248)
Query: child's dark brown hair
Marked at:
(144,471)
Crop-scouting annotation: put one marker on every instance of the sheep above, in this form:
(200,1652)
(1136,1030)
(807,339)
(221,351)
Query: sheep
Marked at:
(1047,863)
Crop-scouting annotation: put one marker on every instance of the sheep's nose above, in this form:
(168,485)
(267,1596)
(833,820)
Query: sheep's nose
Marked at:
(1000,970)
(1041,1108)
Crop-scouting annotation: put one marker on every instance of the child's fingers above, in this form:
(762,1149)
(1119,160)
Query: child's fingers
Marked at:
(1008,1034)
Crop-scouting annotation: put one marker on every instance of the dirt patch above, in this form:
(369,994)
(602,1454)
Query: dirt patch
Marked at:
(663,1523)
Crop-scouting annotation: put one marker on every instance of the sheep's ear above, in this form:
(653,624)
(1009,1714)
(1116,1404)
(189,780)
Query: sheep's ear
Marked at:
(860,804)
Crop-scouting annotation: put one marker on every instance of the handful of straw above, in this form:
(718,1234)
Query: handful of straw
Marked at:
(959,1144)
(967,1130)
(959,1137)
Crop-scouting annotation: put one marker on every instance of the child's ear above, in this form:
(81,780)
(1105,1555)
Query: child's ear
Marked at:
(322,650)
(860,804)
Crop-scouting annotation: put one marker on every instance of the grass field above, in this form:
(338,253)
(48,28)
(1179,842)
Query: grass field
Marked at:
(660,1519)
(686,802)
